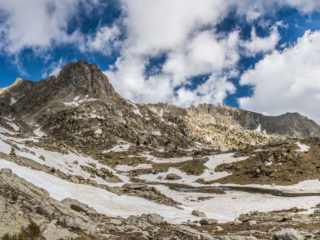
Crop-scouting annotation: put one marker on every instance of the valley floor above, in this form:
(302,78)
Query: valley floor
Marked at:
(200,195)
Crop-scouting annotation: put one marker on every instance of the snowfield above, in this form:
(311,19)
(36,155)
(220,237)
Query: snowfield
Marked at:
(224,207)
(209,173)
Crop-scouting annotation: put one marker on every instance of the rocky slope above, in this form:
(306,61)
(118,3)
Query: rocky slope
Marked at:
(77,161)
(80,107)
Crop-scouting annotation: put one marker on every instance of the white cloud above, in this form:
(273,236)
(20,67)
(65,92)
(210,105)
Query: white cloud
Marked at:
(35,23)
(54,68)
(178,30)
(184,31)
(104,40)
(287,81)
(43,24)
(260,44)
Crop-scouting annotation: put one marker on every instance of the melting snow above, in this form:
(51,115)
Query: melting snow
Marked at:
(38,132)
(101,200)
(127,168)
(118,148)
(209,174)
(165,160)
(302,147)
(14,126)
(77,101)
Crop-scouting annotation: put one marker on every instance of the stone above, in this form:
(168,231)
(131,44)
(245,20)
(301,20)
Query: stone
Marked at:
(252,222)
(237,221)
(198,213)
(206,221)
(288,234)
(116,222)
(155,218)
(6,171)
(219,228)
(173,176)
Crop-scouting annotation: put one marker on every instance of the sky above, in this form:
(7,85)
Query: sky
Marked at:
(258,55)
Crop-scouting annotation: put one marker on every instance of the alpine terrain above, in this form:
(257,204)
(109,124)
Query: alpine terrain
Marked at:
(78,161)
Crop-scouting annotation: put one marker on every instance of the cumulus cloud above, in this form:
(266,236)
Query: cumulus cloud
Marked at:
(287,81)
(104,40)
(182,32)
(261,44)
(185,33)
(44,24)
(54,68)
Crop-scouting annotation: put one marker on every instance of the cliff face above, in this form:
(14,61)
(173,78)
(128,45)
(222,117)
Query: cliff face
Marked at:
(288,124)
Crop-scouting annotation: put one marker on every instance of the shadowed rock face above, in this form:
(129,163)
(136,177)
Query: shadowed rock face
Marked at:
(25,97)
(288,124)
(86,79)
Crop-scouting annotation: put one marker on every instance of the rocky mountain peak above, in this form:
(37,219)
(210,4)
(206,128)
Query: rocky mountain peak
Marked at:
(86,79)
(18,82)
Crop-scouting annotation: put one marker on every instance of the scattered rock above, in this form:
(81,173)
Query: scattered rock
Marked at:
(117,222)
(198,213)
(288,234)
(173,176)
(155,218)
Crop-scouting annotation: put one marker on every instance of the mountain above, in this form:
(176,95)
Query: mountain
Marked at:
(78,161)
(81,108)
(288,124)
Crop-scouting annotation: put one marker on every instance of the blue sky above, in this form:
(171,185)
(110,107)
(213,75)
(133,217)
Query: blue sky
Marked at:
(259,55)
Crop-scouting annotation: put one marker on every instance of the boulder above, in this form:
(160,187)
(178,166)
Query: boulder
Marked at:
(198,213)
(173,176)
(155,219)
(288,234)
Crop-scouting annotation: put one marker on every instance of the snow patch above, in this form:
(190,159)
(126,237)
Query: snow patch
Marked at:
(38,132)
(122,206)
(77,101)
(127,168)
(14,126)
(12,101)
(98,131)
(302,147)
(118,148)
